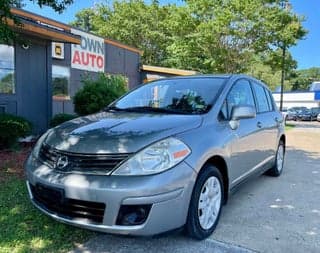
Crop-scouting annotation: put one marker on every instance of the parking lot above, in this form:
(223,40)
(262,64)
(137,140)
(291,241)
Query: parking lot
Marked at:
(265,215)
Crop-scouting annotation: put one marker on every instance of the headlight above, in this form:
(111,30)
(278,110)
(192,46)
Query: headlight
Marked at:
(156,158)
(36,149)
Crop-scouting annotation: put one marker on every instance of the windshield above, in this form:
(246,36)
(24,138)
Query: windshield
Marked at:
(185,95)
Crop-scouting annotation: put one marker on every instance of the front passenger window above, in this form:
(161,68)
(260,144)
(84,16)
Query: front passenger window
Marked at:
(240,94)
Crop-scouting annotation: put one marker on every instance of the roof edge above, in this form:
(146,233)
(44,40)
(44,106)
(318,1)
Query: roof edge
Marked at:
(65,27)
(172,71)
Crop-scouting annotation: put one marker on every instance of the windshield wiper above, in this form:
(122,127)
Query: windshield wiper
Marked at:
(149,109)
(113,108)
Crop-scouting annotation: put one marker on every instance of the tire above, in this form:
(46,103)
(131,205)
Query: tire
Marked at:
(198,226)
(277,168)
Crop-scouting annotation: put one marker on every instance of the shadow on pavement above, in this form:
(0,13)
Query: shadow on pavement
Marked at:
(169,242)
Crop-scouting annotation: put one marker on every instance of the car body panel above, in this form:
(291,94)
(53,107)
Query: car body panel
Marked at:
(172,188)
(247,149)
(118,132)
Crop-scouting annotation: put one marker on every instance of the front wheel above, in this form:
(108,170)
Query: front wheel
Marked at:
(277,169)
(206,202)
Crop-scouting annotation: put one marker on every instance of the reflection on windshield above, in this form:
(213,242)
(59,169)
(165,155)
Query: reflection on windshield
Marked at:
(185,95)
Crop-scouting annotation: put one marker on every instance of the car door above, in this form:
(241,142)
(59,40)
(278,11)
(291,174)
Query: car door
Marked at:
(268,120)
(245,146)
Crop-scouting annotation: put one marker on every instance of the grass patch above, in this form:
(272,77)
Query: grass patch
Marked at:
(289,126)
(24,228)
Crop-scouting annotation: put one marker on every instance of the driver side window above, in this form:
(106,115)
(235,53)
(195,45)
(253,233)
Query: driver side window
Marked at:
(240,94)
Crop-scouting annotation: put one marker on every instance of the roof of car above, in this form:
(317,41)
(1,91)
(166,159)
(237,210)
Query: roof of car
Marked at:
(212,76)
(226,76)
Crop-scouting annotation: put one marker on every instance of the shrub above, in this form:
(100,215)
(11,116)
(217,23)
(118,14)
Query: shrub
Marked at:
(11,128)
(60,118)
(97,94)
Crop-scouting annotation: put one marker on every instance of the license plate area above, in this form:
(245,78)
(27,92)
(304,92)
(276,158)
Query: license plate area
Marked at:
(50,195)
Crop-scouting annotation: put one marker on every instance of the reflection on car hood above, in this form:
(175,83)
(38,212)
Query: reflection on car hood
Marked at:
(118,132)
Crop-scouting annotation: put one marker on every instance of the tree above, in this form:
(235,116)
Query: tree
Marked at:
(203,35)
(259,68)
(7,34)
(231,32)
(84,19)
(134,23)
(301,79)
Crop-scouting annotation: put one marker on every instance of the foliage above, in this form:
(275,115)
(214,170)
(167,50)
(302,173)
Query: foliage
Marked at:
(60,118)
(11,128)
(7,34)
(267,68)
(60,86)
(289,126)
(97,94)
(7,84)
(301,79)
(203,35)
(24,229)
(134,23)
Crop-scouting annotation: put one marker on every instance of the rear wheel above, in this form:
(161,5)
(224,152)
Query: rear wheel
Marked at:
(206,202)
(277,169)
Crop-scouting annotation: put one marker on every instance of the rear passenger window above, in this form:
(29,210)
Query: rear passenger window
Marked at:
(269,97)
(240,94)
(261,97)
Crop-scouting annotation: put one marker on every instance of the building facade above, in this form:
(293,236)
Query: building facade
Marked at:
(307,99)
(151,73)
(41,72)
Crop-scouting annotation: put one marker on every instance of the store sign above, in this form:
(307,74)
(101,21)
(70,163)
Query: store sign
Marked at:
(89,55)
(57,50)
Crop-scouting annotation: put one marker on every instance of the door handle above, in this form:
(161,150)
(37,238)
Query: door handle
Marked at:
(259,124)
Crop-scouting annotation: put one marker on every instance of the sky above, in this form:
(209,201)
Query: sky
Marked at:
(306,52)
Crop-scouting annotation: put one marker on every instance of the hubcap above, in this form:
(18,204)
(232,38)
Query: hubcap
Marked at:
(209,202)
(280,156)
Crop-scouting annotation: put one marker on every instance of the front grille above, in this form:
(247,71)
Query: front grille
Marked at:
(53,201)
(82,163)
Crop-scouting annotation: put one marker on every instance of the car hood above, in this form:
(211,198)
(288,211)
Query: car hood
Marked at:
(118,132)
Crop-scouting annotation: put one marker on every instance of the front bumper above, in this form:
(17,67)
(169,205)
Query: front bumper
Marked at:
(168,193)
(305,118)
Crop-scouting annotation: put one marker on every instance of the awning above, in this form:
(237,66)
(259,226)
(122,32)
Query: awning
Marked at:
(41,27)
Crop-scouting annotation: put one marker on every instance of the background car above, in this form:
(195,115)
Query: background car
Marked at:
(284,113)
(318,117)
(314,112)
(304,115)
(291,114)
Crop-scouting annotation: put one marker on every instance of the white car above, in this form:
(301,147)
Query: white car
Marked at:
(318,117)
(284,113)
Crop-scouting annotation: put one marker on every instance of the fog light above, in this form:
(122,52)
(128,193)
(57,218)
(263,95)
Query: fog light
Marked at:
(130,215)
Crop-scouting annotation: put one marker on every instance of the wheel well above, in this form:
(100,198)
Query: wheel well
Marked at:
(283,138)
(221,165)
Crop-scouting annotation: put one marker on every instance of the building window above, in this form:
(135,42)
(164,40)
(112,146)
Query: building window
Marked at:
(7,69)
(60,81)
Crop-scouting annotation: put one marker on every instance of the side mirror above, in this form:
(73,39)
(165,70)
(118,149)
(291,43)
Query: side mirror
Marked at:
(241,112)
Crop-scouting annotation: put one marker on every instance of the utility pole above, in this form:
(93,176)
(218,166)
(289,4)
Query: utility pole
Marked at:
(282,75)
(286,6)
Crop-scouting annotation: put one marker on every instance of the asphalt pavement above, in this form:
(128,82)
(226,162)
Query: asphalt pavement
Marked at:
(266,215)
